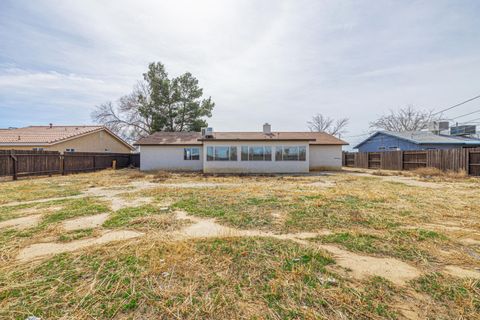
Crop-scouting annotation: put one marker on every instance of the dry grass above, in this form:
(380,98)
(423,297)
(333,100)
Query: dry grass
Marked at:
(226,278)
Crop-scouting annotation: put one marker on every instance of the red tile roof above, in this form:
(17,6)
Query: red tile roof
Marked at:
(46,135)
(191,138)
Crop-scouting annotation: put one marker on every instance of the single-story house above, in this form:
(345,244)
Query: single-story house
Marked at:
(63,139)
(413,140)
(240,152)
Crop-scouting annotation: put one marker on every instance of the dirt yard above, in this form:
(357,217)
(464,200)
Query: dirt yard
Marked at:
(345,245)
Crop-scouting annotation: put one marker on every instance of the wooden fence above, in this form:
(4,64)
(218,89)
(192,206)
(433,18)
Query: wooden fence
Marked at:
(22,163)
(458,159)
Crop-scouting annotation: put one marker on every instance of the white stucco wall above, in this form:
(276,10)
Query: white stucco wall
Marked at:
(255,166)
(168,158)
(325,156)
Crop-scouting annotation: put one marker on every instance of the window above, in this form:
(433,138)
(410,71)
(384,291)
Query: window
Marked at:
(222,153)
(70,150)
(381,148)
(191,154)
(257,153)
(37,149)
(293,153)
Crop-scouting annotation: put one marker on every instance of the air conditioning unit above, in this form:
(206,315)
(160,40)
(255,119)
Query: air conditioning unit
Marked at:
(207,132)
(437,126)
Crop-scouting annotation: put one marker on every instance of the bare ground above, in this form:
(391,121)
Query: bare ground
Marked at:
(434,242)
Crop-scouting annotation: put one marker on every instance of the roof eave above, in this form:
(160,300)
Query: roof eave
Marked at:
(271,140)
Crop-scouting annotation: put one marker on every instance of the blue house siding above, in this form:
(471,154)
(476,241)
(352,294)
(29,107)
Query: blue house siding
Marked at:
(383,142)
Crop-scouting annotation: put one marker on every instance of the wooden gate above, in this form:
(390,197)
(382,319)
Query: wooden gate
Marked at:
(474,162)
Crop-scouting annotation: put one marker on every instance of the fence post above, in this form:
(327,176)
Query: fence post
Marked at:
(94,163)
(14,165)
(114,164)
(62,161)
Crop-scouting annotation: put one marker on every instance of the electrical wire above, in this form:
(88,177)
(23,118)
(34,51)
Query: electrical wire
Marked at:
(467,114)
(454,106)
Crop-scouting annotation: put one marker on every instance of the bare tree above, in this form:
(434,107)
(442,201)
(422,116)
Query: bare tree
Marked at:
(157,103)
(126,117)
(321,123)
(405,119)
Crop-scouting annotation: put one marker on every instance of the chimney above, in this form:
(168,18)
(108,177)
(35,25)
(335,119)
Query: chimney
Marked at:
(50,125)
(267,128)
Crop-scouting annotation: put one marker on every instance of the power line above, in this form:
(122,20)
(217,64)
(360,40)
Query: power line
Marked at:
(467,114)
(472,120)
(457,105)
(358,135)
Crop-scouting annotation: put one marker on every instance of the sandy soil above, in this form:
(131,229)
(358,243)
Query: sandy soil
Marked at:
(46,249)
(21,223)
(85,222)
(461,272)
(362,266)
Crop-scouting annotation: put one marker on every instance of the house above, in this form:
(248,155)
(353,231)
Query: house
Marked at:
(413,140)
(63,139)
(240,152)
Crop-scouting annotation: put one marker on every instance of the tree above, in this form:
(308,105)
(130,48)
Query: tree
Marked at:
(157,103)
(320,123)
(405,119)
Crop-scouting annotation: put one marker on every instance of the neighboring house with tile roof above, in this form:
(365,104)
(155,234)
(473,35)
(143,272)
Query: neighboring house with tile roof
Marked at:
(63,138)
(240,152)
(413,140)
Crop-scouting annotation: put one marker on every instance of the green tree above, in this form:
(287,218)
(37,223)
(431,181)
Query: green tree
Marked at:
(157,103)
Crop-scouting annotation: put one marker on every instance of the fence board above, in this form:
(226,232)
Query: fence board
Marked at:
(456,159)
(374,160)
(392,160)
(29,163)
(473,161)
(361,160)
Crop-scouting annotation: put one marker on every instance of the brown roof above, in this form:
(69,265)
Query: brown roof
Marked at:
(46,135)
(182,138)
(171,138)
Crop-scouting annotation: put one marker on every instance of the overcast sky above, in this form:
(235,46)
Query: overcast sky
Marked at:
(261,61)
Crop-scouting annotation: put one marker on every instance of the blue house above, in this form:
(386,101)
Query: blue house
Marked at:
(413,140)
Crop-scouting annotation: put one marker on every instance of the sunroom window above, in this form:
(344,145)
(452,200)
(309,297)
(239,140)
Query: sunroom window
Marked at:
(222,153)
(256,153)
(291,153)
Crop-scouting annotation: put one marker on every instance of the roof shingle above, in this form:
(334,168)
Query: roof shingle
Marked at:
(43,134)
(195,138)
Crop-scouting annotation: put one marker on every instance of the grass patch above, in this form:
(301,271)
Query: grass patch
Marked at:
(460,295)
(143,218)
(76,208)
(361,242)
(402,244)
(377,296)
(214,279)
(16,191)
(253,212)
(76,235)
